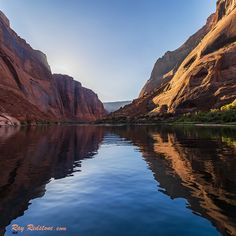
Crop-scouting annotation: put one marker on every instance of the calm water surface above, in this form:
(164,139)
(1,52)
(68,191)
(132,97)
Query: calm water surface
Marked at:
(118,181)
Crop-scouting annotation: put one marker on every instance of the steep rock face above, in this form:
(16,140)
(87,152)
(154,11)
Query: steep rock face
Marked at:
(25,72)
(206,78)
(78,103)
(202,78)
(27,87)
(224,7)
(166,66)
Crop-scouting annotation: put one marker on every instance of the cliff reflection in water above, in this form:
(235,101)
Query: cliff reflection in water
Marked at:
(197,164)
(31,157)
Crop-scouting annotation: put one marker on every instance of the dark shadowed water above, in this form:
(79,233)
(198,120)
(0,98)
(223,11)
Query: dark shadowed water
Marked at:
(118,181)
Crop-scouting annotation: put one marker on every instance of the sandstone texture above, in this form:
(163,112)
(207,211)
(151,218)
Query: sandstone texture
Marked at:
(199,76)
(6,120)
(166,66)
(78,103)
(29,91)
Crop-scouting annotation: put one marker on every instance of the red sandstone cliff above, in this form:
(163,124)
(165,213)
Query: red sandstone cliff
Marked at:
(78,103)
(200,75)
(28,90)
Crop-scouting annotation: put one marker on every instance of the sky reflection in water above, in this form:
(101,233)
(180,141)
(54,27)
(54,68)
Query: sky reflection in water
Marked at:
(119,180)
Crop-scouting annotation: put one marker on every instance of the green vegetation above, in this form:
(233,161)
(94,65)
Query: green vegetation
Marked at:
(229,107)
(226,114)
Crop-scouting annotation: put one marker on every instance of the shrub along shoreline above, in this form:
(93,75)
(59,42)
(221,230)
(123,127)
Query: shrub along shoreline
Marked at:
(226,114)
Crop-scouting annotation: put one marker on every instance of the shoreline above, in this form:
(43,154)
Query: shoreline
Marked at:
(197,124)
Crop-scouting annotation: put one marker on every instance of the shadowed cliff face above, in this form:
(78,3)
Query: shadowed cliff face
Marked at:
(29,89)
(78,103)
(196,165)
(30,158)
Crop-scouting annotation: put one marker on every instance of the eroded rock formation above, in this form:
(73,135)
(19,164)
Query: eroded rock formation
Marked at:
(198,76)
(29,91)
(78,103)
(206,78)
(165,67)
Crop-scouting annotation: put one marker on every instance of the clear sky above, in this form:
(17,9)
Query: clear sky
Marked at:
(110,46)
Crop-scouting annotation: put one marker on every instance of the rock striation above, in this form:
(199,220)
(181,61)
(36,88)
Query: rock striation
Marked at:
(78,103)
(206,78)
(166,66)
(198,76)
(29,91)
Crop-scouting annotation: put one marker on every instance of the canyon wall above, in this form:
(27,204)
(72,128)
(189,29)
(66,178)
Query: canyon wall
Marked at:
(199,76)
(166,66)
(78,103)
(206,78)
(29,91)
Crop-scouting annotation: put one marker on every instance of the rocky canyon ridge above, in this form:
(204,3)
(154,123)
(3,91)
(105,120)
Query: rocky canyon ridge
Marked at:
(29,92)
(198,76)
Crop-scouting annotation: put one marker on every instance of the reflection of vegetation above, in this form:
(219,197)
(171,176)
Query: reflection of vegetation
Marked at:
(145,133)
(226,114)
(229,141)
(225,134)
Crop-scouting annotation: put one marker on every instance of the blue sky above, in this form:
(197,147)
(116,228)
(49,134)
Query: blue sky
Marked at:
(110,46)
